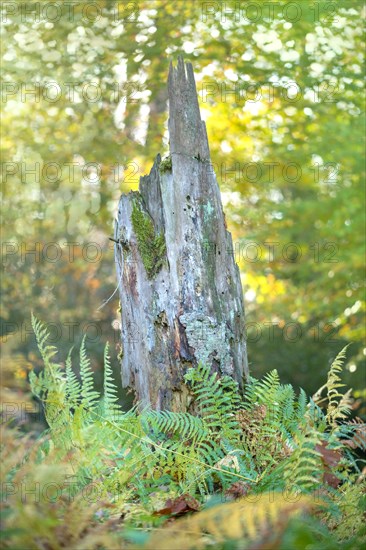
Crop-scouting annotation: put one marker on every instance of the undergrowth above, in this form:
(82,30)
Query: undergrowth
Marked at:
(269,469)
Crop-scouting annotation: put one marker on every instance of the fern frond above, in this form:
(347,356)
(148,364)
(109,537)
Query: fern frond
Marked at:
(73,387)
(334,383)
(110,401)
(247,520)
(217,400)
(187,426)
(339,405)
(342,409)
(50,385)
(304,468)
(47,351)
(261,392)
(301,405)
(89,397)
(352,434)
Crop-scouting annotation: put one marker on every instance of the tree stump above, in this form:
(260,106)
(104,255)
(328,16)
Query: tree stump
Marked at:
(180,289)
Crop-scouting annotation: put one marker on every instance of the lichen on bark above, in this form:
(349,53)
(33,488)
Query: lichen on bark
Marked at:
(210,340)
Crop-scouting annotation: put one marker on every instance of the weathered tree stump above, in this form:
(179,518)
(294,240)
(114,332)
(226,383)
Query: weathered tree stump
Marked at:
(180,290)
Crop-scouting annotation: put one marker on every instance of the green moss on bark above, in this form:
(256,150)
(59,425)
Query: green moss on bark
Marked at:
(151,246)
(166,165)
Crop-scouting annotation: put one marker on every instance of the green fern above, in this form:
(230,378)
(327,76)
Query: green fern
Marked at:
(217,400)
(268,440)
(263,391)
(183,425)
(51,379)
(110,401)
(303,470)
(89,397)
(50,385)
(72,384)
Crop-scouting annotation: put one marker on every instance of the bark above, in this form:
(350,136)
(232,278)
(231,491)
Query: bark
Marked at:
(180,290)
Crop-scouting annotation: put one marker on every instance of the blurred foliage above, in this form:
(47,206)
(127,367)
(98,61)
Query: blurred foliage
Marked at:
(85,106)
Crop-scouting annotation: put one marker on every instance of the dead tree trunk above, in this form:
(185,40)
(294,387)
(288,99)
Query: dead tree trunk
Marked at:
(180,290)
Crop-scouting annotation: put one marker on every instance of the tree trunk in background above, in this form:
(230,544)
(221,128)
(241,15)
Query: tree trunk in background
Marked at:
(180,290)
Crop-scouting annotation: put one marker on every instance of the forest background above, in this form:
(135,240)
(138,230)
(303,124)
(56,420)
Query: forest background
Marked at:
(84,99)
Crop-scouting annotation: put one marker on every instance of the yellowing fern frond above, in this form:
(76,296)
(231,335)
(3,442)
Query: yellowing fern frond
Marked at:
(339,405)
(247,519)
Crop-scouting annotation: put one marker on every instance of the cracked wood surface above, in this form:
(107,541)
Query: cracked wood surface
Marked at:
(181,301)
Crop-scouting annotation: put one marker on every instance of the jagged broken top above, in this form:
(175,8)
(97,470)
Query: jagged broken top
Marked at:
(187,131)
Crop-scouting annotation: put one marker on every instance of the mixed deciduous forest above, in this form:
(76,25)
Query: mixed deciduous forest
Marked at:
(276,460)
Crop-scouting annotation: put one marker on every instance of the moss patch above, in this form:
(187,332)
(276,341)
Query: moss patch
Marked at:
(151,246)
(166,165)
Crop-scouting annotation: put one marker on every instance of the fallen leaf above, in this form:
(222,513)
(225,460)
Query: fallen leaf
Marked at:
(179,506)
(331,458)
